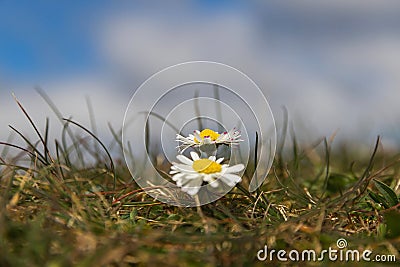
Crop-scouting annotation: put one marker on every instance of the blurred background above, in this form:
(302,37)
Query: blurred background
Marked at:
(334,64)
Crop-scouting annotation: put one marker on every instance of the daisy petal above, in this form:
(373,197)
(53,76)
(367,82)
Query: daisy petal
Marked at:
(177,176)
(184,160)
(183,167)
(214,184)
(194,155)
(219,160)
(196,134)
(193,176)
(207,178)
(235,168)
(191,190)
(231,179)
(179,182)
(192,187)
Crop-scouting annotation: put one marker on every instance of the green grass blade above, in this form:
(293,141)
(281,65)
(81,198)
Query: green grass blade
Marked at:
(387,192)
(46,150)
(112,166)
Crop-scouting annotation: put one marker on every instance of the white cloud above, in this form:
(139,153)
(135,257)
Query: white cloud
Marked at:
(70,98)
(323,95)
(147,44)
(320,97)
(334,8)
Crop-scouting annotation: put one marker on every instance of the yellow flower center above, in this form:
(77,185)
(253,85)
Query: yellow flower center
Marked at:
(206,166)
(207,132)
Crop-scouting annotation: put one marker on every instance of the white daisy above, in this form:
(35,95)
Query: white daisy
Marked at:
(208,136)
(191,173)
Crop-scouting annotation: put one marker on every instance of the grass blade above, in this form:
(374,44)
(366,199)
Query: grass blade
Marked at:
(25,150)
(33,147)
(387,192)
(112,166)
(46,150)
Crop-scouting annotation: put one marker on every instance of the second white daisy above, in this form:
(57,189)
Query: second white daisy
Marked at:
(208,136)
(191,173)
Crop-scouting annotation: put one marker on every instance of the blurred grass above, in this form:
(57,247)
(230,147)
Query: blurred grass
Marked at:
(58,208)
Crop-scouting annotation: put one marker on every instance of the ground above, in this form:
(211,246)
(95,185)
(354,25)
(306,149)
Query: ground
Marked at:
(78,205)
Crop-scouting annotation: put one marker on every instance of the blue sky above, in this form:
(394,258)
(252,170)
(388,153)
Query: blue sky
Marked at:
(46,38)
(333,64)
(51,38)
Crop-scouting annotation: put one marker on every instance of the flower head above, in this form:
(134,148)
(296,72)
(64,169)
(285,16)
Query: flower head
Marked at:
(191,173)
(208,136)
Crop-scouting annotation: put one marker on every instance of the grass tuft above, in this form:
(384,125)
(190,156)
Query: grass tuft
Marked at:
(72,207)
